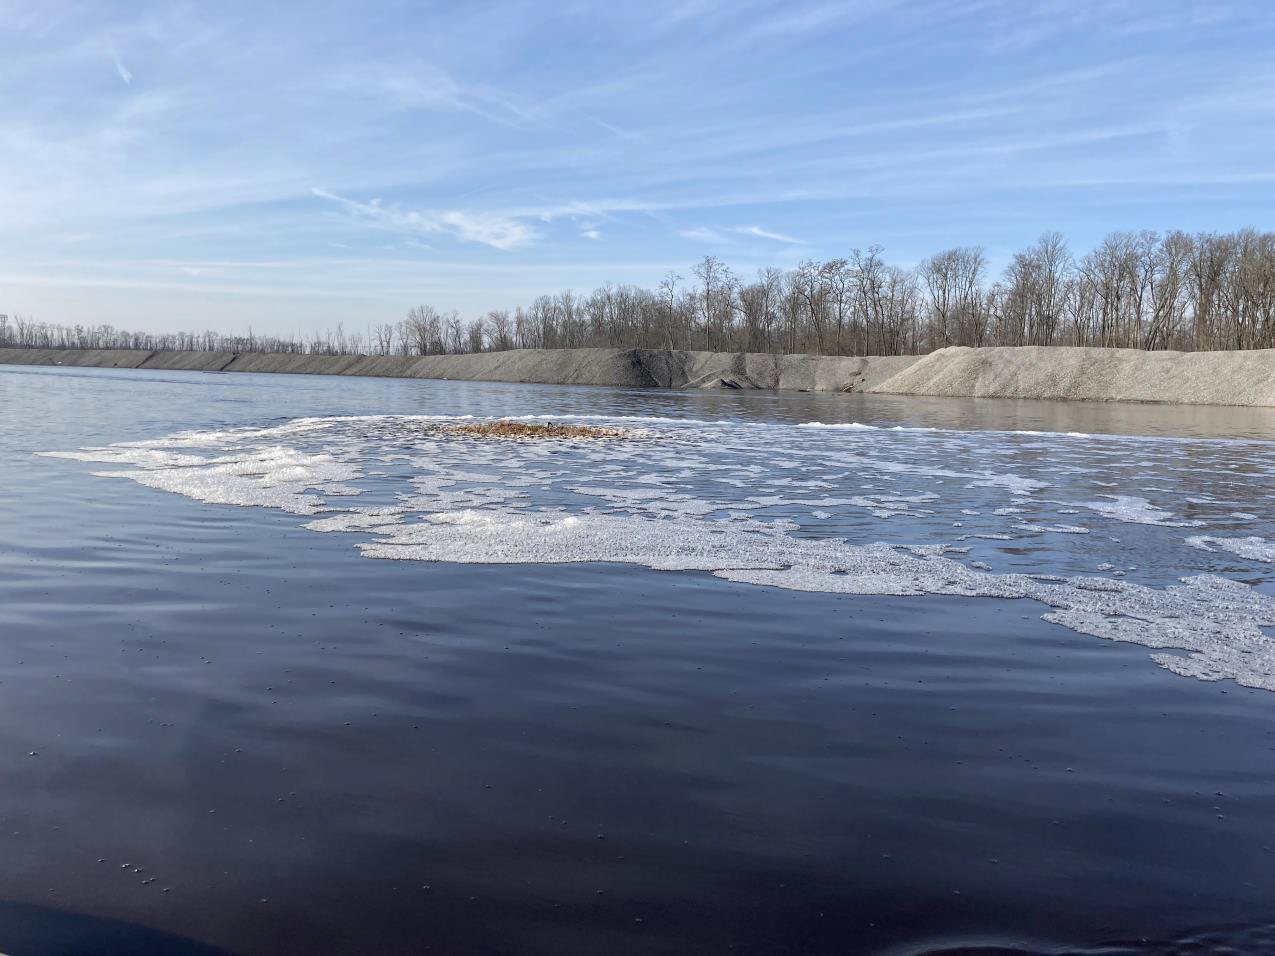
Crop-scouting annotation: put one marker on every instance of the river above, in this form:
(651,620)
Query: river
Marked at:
(286,665)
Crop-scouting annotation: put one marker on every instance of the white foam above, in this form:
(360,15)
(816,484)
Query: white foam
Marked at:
(358,519)
(1013,483)
(1134,510)
(130,456)
(841,426)
(272,477)
(1253,548)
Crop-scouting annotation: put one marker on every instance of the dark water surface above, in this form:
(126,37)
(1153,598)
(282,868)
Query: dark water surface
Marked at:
(223,732)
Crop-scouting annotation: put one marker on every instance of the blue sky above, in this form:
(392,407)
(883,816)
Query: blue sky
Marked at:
(291,165)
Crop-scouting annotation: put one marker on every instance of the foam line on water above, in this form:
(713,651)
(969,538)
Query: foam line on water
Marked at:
(1253,548)
(1134,510)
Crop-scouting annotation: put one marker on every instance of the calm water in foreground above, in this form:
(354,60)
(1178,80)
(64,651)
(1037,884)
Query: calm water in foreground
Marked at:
(737,684)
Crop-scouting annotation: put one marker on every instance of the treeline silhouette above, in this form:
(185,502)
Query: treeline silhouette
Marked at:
(1137,290)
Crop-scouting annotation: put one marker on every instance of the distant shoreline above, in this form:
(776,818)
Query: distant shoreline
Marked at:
(1060,373)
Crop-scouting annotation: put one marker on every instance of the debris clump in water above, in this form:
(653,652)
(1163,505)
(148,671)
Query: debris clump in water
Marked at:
(532,431)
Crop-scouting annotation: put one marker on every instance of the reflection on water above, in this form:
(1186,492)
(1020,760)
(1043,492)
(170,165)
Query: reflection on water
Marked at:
(1237,940)
(221,725)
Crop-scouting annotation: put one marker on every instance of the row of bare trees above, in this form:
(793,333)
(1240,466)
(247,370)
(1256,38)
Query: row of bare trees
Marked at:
(1135,290)
(23,331)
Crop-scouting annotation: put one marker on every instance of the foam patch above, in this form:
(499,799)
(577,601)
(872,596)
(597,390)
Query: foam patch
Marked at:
(801,508)
(1253,548)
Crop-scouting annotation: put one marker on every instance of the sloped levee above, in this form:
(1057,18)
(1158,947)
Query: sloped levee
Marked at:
(119,358)
(622,368)
(78,358)
(1025,372)
(1091,374)
(812,373)
(291,364)
(189,361)
(615,367)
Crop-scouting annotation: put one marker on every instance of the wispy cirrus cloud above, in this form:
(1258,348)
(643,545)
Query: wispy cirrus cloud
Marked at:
(703,234)
(490,229)
(430,87)
(797,19)
(760,233)
(124,72)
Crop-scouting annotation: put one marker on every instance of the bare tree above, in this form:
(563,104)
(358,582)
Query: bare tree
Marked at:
(809,284)
(499,330)
(712,298)
(455,329)
(668,304)
(383,336)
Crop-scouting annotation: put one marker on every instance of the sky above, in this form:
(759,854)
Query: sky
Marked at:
(287,166)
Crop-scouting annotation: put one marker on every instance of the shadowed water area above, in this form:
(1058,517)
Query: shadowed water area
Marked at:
(288,664)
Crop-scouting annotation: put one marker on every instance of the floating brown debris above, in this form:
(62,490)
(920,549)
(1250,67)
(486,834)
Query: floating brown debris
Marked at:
(530,431)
